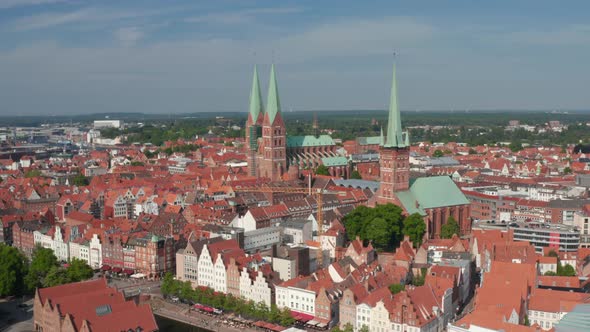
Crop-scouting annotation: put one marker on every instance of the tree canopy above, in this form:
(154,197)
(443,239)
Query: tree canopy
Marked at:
(382,224)
(356,175)
(41,263)
(226,302)
(396,288)
(449,229)
(80,180)
(414,227)
(79,270)
(13,269)
(438,153)
(322,170)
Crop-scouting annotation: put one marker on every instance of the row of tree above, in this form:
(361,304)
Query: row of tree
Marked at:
(227,302)
(19,276)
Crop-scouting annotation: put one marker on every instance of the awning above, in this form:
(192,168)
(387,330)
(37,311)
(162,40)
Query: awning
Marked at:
(105,268)
(117,269)
(138,275)
(301,316)
(128,271)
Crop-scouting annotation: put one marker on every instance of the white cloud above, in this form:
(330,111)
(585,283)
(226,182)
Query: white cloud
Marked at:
(129,35)
(4,4)
(243,16)
(47,20)
(574,34)
(317,69)
(83,15)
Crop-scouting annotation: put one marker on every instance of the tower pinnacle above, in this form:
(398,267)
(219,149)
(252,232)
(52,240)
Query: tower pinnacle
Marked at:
(394,124)
(273,104)
(256,107)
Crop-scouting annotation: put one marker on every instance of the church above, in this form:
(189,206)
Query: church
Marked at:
(435,198)
(272,153)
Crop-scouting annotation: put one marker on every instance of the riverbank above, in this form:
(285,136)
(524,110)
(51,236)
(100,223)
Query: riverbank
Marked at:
(183,314)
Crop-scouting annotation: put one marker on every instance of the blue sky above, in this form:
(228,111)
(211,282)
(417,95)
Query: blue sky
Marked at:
(78,57)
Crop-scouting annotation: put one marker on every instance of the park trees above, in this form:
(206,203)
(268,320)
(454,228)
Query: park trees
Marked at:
(382,224)
(79,270)
(41,263)
(13,268)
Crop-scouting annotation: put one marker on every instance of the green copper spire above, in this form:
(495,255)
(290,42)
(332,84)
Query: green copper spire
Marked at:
(273,104)
(381,138)
(256,106)
(394,125)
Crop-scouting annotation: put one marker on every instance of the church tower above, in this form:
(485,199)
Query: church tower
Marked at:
(273,162)
(394,151)
(254,125)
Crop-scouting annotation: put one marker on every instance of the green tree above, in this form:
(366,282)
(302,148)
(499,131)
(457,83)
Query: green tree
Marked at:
(515,146)
(41,263)
(33,173)
(56,276)
(286,318)
(550,273)
(137,163)
(396,288)
(381,224)
(274,314)
(567,271)
(379,232)
(552,253)
(418,280)
(438,153)
(364,328)
(567,170)
(79,270)
(356,175)
(167,286)
(450,228)
(322,170)
(526,321)
(347,328)
(13,268)
(414,227)
(80,180)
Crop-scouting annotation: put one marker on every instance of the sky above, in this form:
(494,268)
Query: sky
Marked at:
(173,56)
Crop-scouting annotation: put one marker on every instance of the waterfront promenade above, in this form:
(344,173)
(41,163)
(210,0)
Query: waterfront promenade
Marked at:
(182,313)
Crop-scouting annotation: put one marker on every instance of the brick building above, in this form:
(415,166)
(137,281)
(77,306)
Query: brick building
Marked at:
(271,153)
(435,198)
(89,306)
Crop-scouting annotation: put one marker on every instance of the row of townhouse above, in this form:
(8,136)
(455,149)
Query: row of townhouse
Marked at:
(361,298)
(137,252)
(223,266)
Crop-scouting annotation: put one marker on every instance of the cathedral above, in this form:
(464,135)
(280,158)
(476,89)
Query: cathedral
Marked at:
(435,198)
(273,154)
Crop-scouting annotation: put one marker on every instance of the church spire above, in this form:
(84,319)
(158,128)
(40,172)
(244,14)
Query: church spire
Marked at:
(256,107)
(381,138)
(394,124)
(273,104)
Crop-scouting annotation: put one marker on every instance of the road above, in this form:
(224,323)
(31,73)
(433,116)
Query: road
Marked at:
(14,318)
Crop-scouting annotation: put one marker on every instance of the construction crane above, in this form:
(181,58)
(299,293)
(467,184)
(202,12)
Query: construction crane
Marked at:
(318,193)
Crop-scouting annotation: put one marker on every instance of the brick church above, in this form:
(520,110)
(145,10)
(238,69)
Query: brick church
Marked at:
(434,198)
(273,154)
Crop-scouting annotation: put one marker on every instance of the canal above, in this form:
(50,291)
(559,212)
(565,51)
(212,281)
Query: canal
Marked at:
(165,324)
